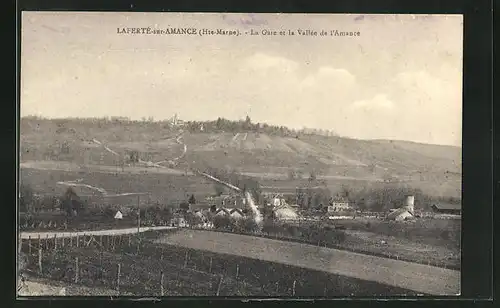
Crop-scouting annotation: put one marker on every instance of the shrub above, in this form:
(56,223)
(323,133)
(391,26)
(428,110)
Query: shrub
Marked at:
(193,220)
(223,223)
(248,225)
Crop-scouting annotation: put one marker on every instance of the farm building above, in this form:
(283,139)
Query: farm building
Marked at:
(178,222)
(338,205)
(447,208)
(400,214)
(236,213)
(405,212)
(285,213)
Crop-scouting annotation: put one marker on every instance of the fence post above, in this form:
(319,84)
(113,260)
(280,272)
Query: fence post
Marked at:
(62,241)
(293,287)
(70,241)
(277,287)
(40,259)
(100,242)
(210,269)
(237,270)
(118,278)
(161,284)
(77,270)
(100,260)
(177,278)
(47,242)
(55,242)
(186,260)
(129,239)
(218,287)
(77,240)
(29,245)
(39,242)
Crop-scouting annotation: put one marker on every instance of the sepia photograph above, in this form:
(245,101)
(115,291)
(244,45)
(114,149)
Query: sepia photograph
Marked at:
(239,155)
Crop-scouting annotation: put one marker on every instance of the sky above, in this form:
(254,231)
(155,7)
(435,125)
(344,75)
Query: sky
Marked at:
(401,78)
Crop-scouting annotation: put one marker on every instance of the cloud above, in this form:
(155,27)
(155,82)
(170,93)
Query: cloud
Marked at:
(414,105)
(378,103)
(327,76)
(263,62)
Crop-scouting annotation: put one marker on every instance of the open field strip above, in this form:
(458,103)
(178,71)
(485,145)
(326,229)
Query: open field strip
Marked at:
(33,235)
(417,277)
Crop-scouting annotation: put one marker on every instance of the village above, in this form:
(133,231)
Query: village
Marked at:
(201,213)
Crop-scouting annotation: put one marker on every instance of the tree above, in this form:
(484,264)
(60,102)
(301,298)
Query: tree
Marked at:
(26,198)
(71,202)
(247,225)
(184,206)
(223,223)
(192,199)
(193,220)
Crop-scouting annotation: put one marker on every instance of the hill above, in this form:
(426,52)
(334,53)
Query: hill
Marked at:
(259,153)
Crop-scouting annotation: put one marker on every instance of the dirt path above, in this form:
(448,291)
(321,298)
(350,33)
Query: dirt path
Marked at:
(26,235)
(417,277)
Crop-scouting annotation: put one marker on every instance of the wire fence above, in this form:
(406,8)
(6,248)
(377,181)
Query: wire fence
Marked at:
(119,263)
(331,244)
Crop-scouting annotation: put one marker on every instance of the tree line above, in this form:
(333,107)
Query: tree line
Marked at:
(210,126)
(232,126)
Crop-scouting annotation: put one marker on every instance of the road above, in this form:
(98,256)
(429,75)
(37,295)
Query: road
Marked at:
(26,235)
(411,276)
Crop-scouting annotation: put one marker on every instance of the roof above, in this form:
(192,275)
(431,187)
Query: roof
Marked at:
(399,212)
(447,206)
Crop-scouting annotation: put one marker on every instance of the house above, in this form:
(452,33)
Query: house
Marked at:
(285,213)
(178,222)
(447,208)
(175,121)
(236,214)
(222,212)
(118,215)
(400,214)
(338,205)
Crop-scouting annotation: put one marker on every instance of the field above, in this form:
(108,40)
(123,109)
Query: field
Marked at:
(417,277)
(63,150)
(396,240)
(186,271)
(162,188)
(433,168)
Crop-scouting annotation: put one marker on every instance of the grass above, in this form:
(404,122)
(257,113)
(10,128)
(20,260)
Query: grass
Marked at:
(199,276)
(162,188)
(434,168)
(401,246)
(427,231)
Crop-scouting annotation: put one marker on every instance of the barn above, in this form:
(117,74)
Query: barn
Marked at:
(285,213)
(447,208)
